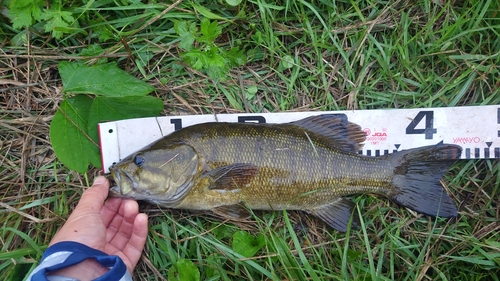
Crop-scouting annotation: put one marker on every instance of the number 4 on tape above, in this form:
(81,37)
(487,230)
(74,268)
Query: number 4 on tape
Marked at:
(476,129)
(428,131)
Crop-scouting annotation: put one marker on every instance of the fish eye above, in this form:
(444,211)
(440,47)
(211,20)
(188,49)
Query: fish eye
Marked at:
(139,160)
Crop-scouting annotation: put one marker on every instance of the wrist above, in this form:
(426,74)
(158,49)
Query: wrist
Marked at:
(73,260)
(88,269)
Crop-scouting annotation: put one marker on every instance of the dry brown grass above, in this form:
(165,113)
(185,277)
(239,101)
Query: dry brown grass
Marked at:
(37,192)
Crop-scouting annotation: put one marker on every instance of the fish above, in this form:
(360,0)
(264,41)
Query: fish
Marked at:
(311,165)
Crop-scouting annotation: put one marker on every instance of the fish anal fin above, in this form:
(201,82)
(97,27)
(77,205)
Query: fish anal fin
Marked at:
(336,214)
(231,177)
(342,134)
(234,212)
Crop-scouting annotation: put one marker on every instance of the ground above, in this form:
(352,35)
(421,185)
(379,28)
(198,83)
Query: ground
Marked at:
(295,56)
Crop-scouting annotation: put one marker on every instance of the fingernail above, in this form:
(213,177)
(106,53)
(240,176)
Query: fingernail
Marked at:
(100,180)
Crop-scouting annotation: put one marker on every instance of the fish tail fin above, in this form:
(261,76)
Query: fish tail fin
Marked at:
(417,178)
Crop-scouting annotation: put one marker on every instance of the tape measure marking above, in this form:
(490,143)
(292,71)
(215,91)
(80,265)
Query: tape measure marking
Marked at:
(387,131)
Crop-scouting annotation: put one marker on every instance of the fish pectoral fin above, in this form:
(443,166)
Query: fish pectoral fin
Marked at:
(235,212)
(336,214)
(231,177)
(343,135)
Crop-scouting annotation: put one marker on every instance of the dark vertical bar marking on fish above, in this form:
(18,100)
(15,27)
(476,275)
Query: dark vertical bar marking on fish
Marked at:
(487,152)
(497,152)
(476,152)
(467,153)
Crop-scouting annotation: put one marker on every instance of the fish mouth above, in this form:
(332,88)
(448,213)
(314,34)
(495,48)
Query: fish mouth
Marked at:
(111,179)
(116,178)
(114,189)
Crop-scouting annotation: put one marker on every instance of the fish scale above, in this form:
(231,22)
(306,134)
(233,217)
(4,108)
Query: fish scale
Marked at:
(286,161)
(310,165)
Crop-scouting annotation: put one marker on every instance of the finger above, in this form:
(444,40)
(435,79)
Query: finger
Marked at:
(110,210)
(121,227)
(93,198)
(134,247)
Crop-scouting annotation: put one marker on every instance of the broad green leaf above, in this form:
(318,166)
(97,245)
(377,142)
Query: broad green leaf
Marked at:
(216,72)
(184,270)
(196,58)
(215,59)
(187,32)
(209,31)
(56,18)
(251,92)
(112,109)
(23,12)
(233,3)
(207,13)
(68,135)
(247,245)
(287,62)
(236,56)
(102,80)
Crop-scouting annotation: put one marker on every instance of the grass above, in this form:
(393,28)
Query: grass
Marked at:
(302,55)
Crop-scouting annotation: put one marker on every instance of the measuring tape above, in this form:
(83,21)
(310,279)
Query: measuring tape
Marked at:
(476,129)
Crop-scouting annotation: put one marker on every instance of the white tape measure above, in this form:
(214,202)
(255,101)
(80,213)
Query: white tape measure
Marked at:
(475,128)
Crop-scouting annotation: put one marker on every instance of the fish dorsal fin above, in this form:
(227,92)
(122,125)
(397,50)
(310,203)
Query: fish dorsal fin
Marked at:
(231,177)
(336,214)
(343,134)
(235,212)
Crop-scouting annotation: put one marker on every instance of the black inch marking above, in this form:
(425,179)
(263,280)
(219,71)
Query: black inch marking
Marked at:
(386,151)
(497,152)
(428,131)
(368,153)
(476,152)
(177,123)
(251,119)
(397,146)
(467,153)
(498,120)
(487,152)
(377,152)
(489,143)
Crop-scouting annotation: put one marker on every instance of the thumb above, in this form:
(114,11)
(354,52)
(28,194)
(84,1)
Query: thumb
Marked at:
(94,197)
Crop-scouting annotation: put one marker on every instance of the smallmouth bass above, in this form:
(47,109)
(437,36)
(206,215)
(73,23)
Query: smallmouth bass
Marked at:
(310,165)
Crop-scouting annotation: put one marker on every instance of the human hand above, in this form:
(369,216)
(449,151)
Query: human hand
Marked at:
(114,227)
